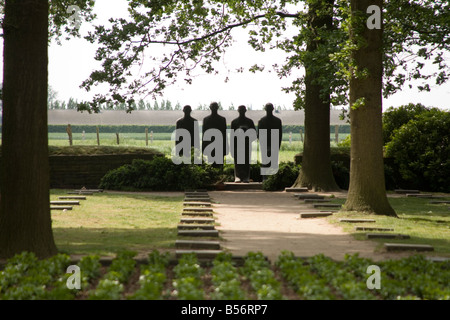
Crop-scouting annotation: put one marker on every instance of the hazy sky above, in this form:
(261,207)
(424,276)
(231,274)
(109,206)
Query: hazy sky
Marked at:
(73,62)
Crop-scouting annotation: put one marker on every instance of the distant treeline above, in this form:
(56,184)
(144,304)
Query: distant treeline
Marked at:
(160,128)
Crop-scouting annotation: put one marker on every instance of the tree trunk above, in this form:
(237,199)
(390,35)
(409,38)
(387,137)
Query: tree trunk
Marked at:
(25,221)
(367,190)
(316,172)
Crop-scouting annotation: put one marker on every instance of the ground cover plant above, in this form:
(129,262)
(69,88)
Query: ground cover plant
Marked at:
(158,277)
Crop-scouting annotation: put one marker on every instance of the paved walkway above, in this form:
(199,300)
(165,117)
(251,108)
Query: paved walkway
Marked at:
(269,222)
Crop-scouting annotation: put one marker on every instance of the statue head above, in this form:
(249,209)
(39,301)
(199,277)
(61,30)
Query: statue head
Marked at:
(214,106)
(269,107)
(242,110)
(187,110)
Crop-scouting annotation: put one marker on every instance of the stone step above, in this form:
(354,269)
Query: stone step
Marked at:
(196,190)
(303,196)
(305,215)
(196,209)
(192,226)
(440,202)
(73,198)
(357,220)
(60,208)
(316,200)
(407,247)
(197,204)
(197,200)
(372,229)
(199,214)
(199,233)
(243,186)
(296,189)
(89,190)
(197,244)
(67,203)
(196,195)
(387,236)
(197,220)
(327,205)
(201,254)
(81,193)
(403,191)
(421,195)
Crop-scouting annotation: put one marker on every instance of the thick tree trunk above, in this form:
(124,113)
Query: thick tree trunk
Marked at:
(316,172)
(367,190)
(25,221)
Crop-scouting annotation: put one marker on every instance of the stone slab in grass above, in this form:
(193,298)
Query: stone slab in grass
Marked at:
(198,214)
(373,229)
(193,226)
(404,191)
(319,214)
(197,220)
(407,247)
(197,204)
(60,208)
(81,193)
(440,202)
(296,189)
(201,254)
(303,196)
(327,205)
(421,195)
(65,202)
(73,198)
(188,199)
(357,220)
(89,190)
(197,244)
(197,209)
(387,236)
(199,233)
(316,200)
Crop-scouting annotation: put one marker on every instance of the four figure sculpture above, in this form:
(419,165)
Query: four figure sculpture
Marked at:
(243,133)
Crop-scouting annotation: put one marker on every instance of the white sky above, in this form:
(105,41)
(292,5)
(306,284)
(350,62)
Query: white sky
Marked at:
(72,63)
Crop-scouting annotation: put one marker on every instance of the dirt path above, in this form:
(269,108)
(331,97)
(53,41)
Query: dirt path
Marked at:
(269,222)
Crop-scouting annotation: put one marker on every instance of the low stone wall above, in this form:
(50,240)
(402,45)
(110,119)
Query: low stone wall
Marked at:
(86,171)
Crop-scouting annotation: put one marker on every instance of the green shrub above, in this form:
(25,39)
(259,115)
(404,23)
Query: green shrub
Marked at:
(285,177)
(421,150)
(394,118)
(159,174)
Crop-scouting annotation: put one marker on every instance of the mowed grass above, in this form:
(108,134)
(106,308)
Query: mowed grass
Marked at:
(107,223)
(425,223)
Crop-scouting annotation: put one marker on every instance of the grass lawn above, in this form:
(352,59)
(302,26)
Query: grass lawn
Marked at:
(425,223)
(106,223)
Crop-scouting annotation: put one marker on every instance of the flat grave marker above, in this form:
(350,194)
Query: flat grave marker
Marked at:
(199,233)
(73,198)
(65,202)
(197,220)
(60,208)
(306,215)
(372,229)
(327,205)
(387,236)
(316,200)
(357,220)
(197,244)
(192,226)
(303,196)
(407,247)
(197,209)
(296,189)
(197,203)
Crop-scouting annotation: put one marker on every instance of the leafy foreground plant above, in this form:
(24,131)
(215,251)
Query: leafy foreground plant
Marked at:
(262,279)
(152,278)
(111,286)
(226,279)
(188,284)
(306,284)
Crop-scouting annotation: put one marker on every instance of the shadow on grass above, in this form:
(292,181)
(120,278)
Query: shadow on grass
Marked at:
(107,241)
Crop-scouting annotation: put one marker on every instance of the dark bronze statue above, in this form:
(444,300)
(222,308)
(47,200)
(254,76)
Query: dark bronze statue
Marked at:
(269,128)
(191,125)
(215,136)
(243,134)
